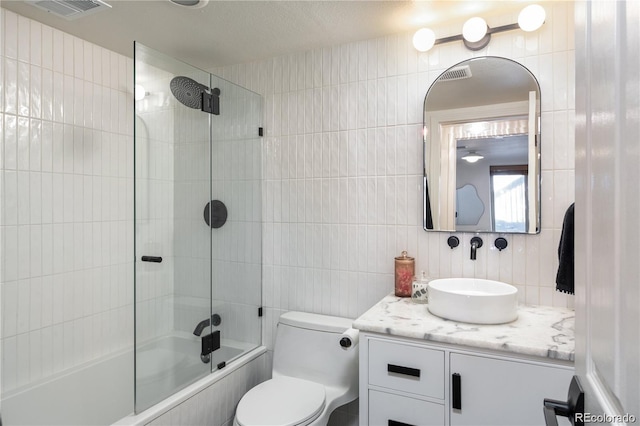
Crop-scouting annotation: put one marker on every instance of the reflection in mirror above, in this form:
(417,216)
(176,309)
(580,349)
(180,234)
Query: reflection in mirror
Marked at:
(470,206)
(481,149)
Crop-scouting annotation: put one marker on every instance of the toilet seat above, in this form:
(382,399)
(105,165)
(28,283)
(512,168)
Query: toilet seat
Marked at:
(283,400)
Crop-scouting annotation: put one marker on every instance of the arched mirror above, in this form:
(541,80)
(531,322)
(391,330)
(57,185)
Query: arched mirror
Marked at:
(482,149)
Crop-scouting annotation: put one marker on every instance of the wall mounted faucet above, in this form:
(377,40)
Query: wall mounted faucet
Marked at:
(476,243)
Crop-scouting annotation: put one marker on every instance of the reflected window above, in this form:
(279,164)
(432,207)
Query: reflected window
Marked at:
(509,198)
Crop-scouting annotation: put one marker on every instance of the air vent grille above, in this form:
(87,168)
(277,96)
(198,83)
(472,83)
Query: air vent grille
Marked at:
(457,73)
(70,9)
(83,5)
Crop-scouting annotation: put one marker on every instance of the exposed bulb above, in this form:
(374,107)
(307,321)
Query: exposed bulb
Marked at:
(139,93)
(424,39)
(474,29)
(531,17)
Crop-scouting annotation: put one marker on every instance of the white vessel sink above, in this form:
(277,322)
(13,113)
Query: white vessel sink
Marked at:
(473,300)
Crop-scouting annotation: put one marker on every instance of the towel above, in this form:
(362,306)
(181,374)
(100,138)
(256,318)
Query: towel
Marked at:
(565,276)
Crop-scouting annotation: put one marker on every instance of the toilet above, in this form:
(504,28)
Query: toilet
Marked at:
(313,373)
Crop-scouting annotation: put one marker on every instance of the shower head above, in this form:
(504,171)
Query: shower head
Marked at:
(188,91)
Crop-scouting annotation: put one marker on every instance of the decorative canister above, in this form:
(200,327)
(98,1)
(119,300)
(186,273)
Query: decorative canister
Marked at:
(420,292)
(405,270)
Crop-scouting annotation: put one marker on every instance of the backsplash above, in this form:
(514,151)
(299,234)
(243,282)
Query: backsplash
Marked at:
(343,169)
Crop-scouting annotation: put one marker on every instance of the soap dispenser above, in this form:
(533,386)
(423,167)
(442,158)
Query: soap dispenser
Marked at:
(420,291)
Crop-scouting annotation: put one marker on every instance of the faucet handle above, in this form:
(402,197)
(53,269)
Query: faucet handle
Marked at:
(501,243)
(453,242)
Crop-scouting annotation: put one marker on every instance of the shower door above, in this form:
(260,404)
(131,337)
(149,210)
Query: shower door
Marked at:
(197,219)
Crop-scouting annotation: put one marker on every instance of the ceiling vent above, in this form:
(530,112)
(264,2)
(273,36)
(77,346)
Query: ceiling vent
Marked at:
(457,73)
(70,9)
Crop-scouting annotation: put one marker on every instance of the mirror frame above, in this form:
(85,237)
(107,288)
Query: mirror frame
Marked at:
(532,228)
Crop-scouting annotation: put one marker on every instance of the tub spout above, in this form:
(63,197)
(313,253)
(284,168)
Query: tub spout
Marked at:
(215,321)
(201,326)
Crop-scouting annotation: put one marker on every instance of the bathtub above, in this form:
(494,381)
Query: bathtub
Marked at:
(102,393)
(75,397)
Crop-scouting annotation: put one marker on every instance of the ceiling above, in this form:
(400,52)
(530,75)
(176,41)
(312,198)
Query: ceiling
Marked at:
(499,150)
(232,32)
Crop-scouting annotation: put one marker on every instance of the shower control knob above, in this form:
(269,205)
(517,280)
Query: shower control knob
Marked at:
(345,342)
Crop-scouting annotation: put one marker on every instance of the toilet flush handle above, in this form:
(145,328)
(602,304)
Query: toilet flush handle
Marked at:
(345,342)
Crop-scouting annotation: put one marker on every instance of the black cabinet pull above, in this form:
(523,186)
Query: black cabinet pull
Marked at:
(456,397)
(407,371)
(574,405)
(396,423)
(154,259)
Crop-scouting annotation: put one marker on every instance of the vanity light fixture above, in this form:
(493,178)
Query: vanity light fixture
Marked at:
(424,39)
(476,34)
(472,157)
(531,17)
(474,29)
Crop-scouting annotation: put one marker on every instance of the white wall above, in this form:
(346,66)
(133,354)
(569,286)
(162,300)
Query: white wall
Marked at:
(67,201)
(343,169)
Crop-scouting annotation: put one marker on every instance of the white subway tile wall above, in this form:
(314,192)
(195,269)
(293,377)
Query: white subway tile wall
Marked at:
(343,169)
(66,221)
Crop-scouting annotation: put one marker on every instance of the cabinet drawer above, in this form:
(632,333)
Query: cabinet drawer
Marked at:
(407,368)
(393,410)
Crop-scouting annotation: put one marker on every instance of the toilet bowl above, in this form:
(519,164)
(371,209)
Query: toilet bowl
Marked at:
(312,374)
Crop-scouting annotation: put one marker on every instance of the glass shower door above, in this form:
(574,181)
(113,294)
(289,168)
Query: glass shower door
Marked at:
(236,177)
(198,236)
(172,241)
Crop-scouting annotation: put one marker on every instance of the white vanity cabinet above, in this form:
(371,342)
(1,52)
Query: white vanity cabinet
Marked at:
(412,382)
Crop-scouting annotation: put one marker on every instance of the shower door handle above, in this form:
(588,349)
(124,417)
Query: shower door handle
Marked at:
(154,259)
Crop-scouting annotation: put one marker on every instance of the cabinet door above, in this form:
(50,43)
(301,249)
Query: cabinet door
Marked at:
(387,409)
(497,392)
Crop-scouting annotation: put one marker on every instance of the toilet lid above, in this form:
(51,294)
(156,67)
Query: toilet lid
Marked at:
(283,400)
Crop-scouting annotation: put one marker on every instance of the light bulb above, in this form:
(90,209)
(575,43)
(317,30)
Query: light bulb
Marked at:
(139,93)
(474,29)
(472,157)
(424,39)
(531,17)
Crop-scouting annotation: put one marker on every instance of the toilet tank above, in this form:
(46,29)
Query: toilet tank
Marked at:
(308,347)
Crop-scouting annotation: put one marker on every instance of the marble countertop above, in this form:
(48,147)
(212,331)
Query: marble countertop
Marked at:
(541,331)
